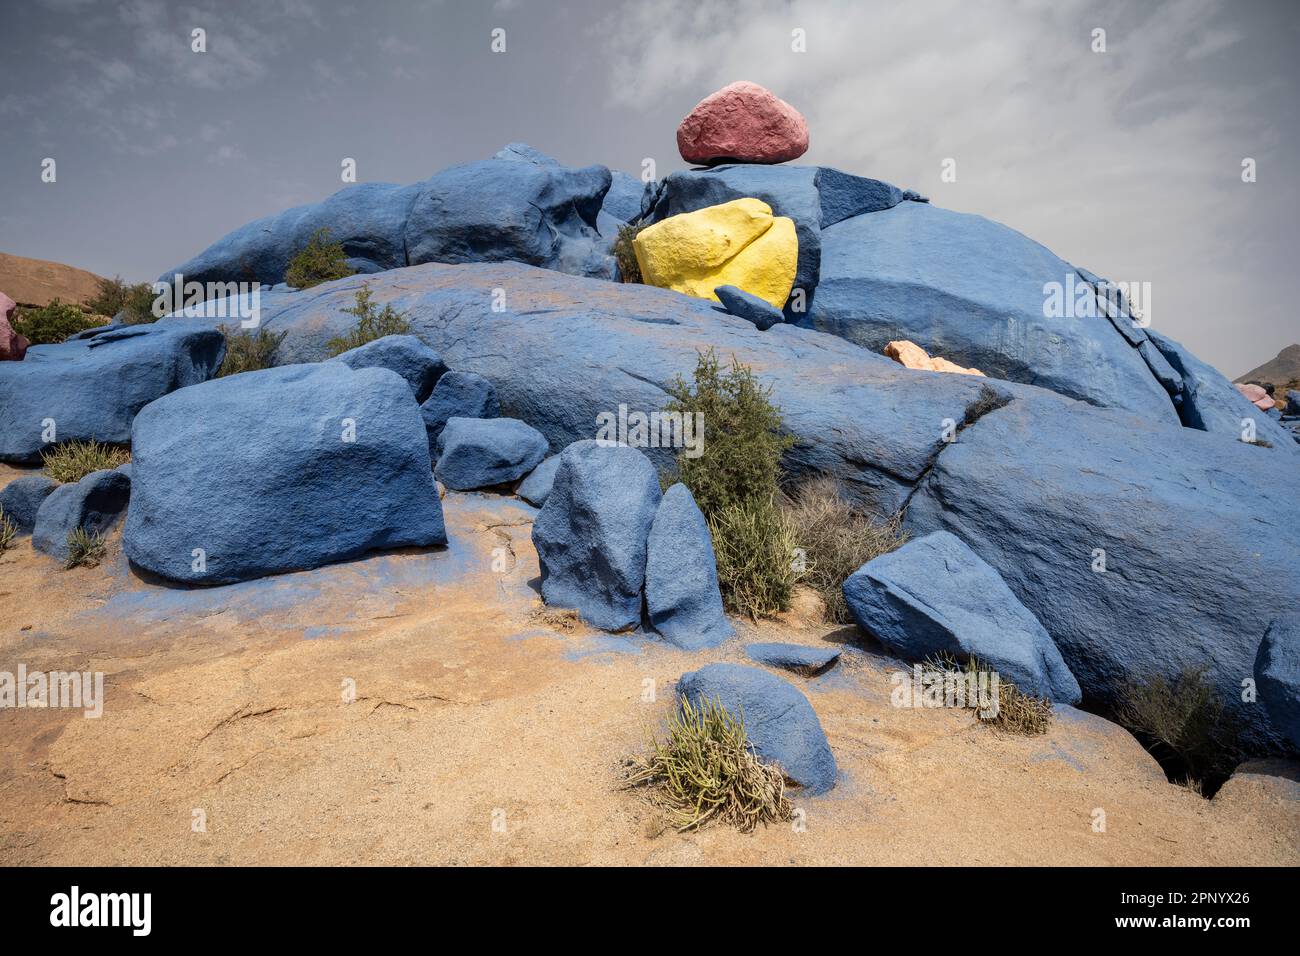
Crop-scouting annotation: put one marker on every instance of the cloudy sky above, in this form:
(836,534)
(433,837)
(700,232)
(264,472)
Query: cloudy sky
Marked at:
(1127,162)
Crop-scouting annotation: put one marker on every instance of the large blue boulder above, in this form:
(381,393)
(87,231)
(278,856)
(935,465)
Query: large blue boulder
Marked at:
(458,395)
(1277,675)
(536,488)
(406,355)
(780,723)
(681,575)
(935,596)
(972,291)
(22,498)
(591,534)
(279,470)
(486,452)
(622,203)
(92,504)
(1143,550)
(91,389)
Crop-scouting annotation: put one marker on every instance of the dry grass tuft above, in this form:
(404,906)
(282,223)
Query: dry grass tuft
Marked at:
(74,460)
(85,550)
(1017,712)
(566,620)
(8,531)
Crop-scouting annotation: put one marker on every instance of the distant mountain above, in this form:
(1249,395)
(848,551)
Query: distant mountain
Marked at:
(36,282)
(1279,371)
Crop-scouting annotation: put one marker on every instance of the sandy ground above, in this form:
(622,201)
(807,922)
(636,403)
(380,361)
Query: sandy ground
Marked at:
(410,708)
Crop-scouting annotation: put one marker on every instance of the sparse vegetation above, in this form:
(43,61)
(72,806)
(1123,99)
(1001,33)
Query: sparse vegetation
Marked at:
(754,545)
(115,296)
(836,539)
(562,619)
(85,549)
(706,772)
(372,323)
(71,461)
(53,323)
(629,269)
(318,261)
(988,400)
(248,350)
(8,531)
(1017,712)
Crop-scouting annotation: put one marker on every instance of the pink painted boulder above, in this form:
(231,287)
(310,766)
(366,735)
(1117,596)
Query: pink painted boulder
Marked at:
(12,345)
(1256,394)
(743,123)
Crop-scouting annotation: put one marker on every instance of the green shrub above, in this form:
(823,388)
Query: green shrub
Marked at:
(836,540)
(754,546)
(116,296)
(372,323)
(628,267)
(53,323)
(1181,722)
(706,772)
(85,550)
(248,350)
(319,261)
(8,531)
(74,460)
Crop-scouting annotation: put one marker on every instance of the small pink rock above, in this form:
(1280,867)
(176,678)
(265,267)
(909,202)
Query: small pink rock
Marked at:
(1256,394)
(745,123)
(12,345)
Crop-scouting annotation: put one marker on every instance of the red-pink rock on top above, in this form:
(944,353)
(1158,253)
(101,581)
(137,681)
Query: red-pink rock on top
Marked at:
(1256,394)
(12,345)
(744,123)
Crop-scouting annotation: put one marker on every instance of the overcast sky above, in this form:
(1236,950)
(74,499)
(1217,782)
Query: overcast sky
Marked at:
(1126,162)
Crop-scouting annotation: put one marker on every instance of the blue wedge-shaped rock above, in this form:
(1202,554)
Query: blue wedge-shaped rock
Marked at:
(681,577)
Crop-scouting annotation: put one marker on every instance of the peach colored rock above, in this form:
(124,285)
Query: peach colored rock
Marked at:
(742,122)
(12,345)
(1256,394)
(911,355)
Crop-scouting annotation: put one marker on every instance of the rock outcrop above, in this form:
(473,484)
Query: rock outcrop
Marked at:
(406,355)
(911,355)
(487,452)
(92,504)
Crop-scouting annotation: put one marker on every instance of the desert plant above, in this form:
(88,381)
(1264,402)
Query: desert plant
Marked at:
(73,460)
(1181,721)
(53,323)
(988,400)
(836,539)
(754,546)
(1017,712)
(248,350)
(372,323)
(8,531)
(115,296)
(629,269)
(318,261)
(85,549)
(706,772)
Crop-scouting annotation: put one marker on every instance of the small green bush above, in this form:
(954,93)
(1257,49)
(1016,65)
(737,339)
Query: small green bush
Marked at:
(372,323)
(1181,722)
(319,261)
(629,269)
(53,323)
(754,545)
(85,550)
(116,296)
(706,772)
(8,531)
(248,350)
(74,460)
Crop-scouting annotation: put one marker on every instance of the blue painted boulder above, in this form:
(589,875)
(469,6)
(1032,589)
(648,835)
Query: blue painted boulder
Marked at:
(458,395)
(487,452)
(782,726)
(22,498)
(91,389)
(279,470)
(748,307)
(799,658)
(92,504)
(591,534)
(406,355)
(536,488)
(936,596)
(1277,675)
(681,575)
(1293,402)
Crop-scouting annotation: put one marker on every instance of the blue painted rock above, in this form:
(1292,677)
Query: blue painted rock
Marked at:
(279,470)
(22,498)
(793,657)
(92,388)
(1293,402)
(93,504)
(623,201)
(404,354)
(591,534)
(486,452)
(681,576)
(748,307)
(781,724)
(536,488)
(936,596)
(972,290)
(1143,550)
(1277,675)
(458,395)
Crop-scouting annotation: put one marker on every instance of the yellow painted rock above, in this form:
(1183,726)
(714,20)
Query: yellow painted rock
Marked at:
(736,243)
(911,355)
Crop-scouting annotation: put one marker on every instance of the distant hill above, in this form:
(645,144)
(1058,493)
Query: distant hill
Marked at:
(1278,371)
(37,282)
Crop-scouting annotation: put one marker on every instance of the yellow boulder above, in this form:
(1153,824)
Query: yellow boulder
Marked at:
(736,243)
